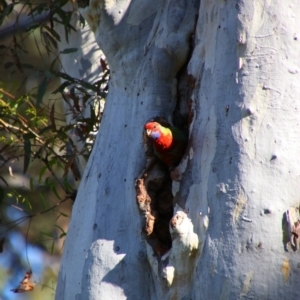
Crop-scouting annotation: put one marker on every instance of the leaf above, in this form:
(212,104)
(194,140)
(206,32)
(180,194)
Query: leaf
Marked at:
(2,244)
(53,63)
(69,50)
(60,3)
(43,200)
(26,285)
(27,203)
(42,171)
(2,195)
(65,76)
(28,66)
(62,235)
(16,56)
(103,64)
(52,32)
(55,192)
(31,184)
(89,86)
(7,10)
(41,91)
(32,27)
(82,21)
(52,119)
(27,151)
(11,172)
(59,228)
(47,234)
(92,120)
(49,42)
(52,248)
(62,87)
(75,99)
(64,215)
(38,9)
(65,20)
(41,132)
(8,65)
(68,166)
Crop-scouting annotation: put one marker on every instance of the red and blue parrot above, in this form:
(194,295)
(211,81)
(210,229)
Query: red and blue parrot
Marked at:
(169,142)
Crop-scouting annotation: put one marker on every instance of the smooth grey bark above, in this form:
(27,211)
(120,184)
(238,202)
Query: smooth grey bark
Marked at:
(240,171)
(251,88)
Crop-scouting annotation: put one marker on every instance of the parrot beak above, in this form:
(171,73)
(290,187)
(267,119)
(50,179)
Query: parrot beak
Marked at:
(148,132)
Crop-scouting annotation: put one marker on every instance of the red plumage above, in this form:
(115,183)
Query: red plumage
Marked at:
(169,142)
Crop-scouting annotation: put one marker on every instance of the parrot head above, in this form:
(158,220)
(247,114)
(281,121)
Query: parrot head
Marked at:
(169,142)
(153,130)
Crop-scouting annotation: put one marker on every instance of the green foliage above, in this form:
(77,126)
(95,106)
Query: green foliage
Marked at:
(35,139)
(6,9)
(36,134)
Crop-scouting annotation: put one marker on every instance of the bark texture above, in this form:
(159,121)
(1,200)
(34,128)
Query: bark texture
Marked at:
(236,207)
(248,129)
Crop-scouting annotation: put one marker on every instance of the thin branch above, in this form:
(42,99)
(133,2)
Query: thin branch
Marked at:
(45,161)
(52,207)
(9,126)
(25,218)
(27,233)
(7,93)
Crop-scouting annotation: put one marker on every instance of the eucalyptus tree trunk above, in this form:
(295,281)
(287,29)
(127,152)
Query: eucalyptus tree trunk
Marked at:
(230,72)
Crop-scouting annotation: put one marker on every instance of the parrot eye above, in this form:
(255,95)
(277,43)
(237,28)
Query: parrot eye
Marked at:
(154,126)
